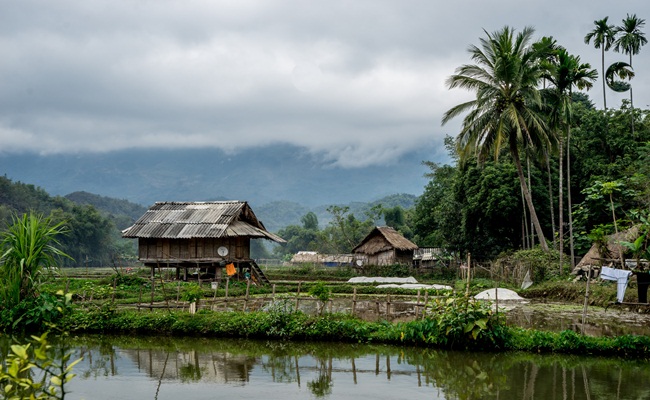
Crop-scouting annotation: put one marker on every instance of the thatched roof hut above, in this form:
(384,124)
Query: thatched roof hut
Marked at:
(613,251)
(385,246)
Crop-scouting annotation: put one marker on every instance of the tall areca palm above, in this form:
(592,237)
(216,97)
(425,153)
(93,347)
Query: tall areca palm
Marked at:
(603,37)
(546,48)
(565,72)
(629,39)
(504,112)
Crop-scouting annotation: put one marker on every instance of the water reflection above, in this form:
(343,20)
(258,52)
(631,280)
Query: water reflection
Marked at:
(192,368)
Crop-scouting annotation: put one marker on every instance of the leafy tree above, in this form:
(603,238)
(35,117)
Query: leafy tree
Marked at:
(346,231)
(603,38)
(310,221)
(437,213)
(490,216)
(394,217)
(89,240)
(505,110)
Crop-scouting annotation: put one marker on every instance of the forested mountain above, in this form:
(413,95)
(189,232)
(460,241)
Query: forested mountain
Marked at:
(108,204)
(93,237)
(257,175)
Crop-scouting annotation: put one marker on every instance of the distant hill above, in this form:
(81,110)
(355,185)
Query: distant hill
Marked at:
(108,204)
(260,175)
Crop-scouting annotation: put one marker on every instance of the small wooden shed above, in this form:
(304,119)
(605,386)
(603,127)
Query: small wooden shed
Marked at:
(385,246)
(203,235)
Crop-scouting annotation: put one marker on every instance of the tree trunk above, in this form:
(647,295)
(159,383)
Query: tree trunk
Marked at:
(529,199)
(550,198)
(560,207)
(568,193)
(631,101)
(602,70)
(530,187)
(524,227)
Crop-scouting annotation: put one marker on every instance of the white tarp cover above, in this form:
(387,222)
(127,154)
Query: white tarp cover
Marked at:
(379,279)
(415,286)
(504,294)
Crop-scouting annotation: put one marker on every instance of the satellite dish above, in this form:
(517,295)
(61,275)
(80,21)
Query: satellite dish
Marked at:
(222,251)
(359,263)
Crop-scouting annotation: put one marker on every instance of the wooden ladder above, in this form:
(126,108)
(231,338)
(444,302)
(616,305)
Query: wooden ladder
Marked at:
(258,274)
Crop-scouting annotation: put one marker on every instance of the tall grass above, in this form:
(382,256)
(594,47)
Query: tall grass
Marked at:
(29,249)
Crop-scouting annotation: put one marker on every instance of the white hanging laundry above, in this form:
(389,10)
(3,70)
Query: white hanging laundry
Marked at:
(527,281)
(621,277)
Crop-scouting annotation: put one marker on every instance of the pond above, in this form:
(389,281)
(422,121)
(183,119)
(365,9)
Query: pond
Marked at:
(128,367)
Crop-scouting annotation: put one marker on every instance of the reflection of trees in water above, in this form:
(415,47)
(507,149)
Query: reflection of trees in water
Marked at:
(194,366)
(281,368)
(322,385)
(460,375)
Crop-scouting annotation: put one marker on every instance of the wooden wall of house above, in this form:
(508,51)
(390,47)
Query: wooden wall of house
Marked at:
(381,258)
(390,257)
(190,249)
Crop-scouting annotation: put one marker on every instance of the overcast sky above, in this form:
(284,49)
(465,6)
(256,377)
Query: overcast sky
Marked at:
(357,83)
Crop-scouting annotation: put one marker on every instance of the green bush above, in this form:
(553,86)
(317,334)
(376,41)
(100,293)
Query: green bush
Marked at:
(34,314)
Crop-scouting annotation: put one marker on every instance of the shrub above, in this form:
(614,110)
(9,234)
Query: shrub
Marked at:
(32,314)
(28,252)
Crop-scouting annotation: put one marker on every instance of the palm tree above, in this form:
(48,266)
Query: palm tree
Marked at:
(504,112)
(546,48)
(629,39)
(566,72)
(603,36)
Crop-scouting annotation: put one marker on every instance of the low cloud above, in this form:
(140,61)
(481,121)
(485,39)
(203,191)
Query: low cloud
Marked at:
(357,84)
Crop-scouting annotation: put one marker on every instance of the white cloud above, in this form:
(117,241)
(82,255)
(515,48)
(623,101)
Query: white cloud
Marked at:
(359,83)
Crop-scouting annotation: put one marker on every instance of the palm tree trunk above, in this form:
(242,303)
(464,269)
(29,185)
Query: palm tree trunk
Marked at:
(524,230)
(568,192)
(550,198)
(529,200)
(602,70)
(631,101)
(530,187)
(560,207)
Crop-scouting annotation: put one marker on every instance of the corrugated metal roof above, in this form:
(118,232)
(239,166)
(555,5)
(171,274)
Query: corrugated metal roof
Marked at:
(187,220)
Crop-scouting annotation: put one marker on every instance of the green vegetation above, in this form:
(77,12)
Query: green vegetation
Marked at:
(453,323)
(32,371)
(28,251)
(94,237)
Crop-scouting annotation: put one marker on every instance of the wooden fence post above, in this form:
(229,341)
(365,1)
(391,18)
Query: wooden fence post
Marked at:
(114,288)
(226,299)
(248,286)
(140,297)
(388,306)
(298,296)
(426,300)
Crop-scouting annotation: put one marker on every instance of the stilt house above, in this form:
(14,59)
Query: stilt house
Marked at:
(204,235)
(385,246)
